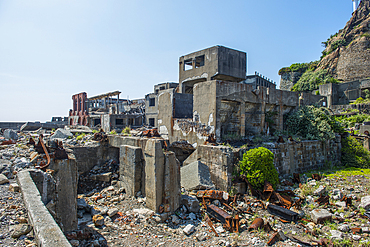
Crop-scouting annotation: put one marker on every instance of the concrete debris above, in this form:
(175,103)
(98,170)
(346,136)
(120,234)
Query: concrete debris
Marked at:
(365,203)
(320,215)
(196,176)
(3,179)
(189,229)
(10,134)
(191,203)
(98,220)
(21,229)
(61,134)
(14,187)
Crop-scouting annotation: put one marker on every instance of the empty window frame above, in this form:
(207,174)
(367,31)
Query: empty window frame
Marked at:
(151,122)
(151,101)
(199,61)
(119,121)
(162,88)
(188,64)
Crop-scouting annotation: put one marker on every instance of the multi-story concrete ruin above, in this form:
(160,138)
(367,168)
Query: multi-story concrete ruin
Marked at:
(107,111)
(216,98)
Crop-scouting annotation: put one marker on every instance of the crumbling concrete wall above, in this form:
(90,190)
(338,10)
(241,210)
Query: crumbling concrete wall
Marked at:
(227,109)
(289,158)
(89,156)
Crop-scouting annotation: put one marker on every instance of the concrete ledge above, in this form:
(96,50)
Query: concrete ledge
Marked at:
(47,231)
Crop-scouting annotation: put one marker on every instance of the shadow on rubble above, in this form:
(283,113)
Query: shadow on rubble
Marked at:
(86,236)
(98,178)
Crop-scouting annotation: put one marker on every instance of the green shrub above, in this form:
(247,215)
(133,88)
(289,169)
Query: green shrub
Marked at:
(113,132)
(258,167)
(299,67)
(311,80)
(313,123)
(350,121)
(79,137)
(126,131)
(354,154)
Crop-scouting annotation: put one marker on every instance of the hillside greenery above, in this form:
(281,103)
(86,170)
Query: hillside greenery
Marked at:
(310,80)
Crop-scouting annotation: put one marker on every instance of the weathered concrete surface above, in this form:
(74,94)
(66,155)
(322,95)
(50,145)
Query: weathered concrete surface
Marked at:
(172,188)
(154,174)
(47,232)
(90,156)
(65,175)
(131,169)
(117,141)
(196,176)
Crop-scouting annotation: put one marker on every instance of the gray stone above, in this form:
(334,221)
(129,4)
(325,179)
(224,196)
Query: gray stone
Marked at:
(14,187)
(191,203)
(175,220)
(112,212)
(61,134)
(365,202)
(201,236)
(335,234)
(340,204)
(343,228)
(82,204)
(356,237)
(10,134)
(319,191)
(196,176)
(21,229)
(74,242)
(3,179)
(192,216)
(104,177)
(365,229)
(189,229)
(320,215)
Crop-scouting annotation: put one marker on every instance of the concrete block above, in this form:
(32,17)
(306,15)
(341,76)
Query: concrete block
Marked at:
(61,134)
(172,187)
(319,190)
(196,176)
(14,187)
(131,169)
(10,134)
(365,202)
(189,229)
(154,173)
(320,215)
(3,179)
(47,232)
(191,203)
(65,173)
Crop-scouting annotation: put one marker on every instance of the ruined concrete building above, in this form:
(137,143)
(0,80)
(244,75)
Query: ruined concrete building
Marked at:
(216,98)
(107,111)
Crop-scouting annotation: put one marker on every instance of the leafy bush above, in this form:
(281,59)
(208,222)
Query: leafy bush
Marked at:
(126,131)
(354,154)
(350,121)
(311,80)
(258,166)
(113,132)
(336,44)
(79,137)
(299,67)
(313,123)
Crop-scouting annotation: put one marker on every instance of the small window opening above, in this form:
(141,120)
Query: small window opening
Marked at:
(151,122)
(152,102)
(199,61)
(162,88)
(119,121)
(188,64)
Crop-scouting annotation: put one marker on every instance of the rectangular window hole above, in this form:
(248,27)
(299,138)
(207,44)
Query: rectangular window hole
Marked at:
(199,61)
(152,102)
(188,64)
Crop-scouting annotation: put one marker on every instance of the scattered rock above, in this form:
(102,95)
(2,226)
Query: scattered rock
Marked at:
(3,179)
(189,229)
(14,187)
(61,134)
(201,236)
(21,229)
(335,234)
(320,215)
(365,202)
(343,228)
(10,134)
(319,191)
(175,220)
(112,212)
(191,203)
(98,220)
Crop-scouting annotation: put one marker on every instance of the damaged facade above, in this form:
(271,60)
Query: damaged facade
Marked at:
(106,111)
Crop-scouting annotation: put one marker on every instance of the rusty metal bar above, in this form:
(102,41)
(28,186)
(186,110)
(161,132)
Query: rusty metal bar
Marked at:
(282,212)
(209,222)
(256,224)
(46,152)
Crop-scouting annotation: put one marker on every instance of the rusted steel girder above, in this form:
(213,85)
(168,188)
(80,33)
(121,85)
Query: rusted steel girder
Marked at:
(282,212)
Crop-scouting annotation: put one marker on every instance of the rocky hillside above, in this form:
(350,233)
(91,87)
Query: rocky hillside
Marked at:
(347,53)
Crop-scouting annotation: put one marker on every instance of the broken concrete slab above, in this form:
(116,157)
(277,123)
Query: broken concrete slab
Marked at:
(189,229)
(61,134)
(191,203)
(14,187)
(365,202)
(10,134)
(320,215)
(196,176)
(3,179)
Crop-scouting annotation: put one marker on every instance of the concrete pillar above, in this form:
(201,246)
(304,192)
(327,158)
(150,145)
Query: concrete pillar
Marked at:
(131,168)
(154,174)
(366,144)
(242,119)
(172,183)
(65,175)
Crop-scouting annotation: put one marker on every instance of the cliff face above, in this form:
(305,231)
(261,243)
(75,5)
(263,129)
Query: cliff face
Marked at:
(288,80)
(348,52)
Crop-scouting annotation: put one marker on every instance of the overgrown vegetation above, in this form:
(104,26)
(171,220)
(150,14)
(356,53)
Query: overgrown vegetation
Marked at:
(313,123)
(311,80)
(126,131)
(354,154)
(79,137)
(299,67)
(258,166)
(350,121)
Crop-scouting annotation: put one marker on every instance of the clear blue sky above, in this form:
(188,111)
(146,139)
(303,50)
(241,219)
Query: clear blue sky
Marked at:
(50,50)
